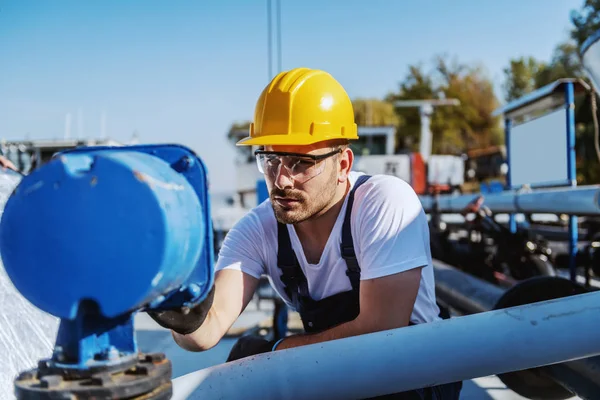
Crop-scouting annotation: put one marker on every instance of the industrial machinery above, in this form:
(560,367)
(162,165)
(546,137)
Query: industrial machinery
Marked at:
(95,236)
(490,250)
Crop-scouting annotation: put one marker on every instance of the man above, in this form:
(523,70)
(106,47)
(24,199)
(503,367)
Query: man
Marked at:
(349,252)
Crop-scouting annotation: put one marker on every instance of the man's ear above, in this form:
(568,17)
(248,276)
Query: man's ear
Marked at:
(345,161)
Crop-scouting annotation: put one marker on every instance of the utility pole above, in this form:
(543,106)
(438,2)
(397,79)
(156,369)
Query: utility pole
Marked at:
(425,111)
(269,41)
(270,37)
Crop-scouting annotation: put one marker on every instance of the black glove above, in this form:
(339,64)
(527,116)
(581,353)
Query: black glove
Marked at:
(249,346)
(184,322)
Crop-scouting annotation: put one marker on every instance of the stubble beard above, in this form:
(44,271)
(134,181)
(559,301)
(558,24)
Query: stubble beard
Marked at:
(305,208)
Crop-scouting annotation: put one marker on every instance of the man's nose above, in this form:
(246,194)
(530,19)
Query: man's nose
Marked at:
(282,178)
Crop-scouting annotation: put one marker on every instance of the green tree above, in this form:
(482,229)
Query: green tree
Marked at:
(586,21)
(374,112)
(455,129)
(521,77)
(526,74)
(236,128)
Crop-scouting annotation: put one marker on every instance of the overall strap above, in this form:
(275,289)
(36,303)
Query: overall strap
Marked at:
(292,276)
(347,245)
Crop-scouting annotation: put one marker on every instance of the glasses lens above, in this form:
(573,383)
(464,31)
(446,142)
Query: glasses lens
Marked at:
(299,168)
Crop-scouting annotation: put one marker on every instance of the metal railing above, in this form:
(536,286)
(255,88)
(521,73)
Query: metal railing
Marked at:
(580,200)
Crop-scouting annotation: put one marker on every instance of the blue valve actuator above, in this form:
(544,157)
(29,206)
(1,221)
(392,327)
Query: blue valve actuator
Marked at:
(122,227)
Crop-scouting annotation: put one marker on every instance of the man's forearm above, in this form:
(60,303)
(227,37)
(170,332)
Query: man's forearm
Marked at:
(205,337)
(348,329)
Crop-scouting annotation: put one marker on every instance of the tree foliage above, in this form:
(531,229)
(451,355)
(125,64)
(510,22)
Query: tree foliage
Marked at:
(521,77)
(586,21)
(455,129)
(374,112)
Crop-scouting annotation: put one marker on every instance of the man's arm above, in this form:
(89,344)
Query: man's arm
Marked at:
(233,291)
(385,303)
(238,269)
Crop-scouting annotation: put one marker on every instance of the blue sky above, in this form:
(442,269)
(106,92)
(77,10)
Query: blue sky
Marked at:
(183,71)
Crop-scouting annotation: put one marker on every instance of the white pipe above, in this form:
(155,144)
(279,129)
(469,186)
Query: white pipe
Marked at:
(580,200)
(393,361)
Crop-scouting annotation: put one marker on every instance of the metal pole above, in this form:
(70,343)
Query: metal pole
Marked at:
(572,175)
(408,358)
(269,41)
(279,68)
(512,222)
(425,111)
(579,200)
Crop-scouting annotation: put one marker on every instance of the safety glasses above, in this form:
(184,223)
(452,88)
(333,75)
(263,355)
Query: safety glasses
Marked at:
(300,167)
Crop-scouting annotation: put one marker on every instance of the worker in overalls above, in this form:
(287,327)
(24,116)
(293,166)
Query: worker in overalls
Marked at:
(349,252)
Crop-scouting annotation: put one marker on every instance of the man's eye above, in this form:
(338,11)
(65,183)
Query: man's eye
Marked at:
(305,163)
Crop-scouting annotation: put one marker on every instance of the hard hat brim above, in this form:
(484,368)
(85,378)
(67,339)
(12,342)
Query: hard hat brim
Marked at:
(290,140)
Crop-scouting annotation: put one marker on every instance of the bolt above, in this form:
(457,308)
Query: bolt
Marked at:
(187,163)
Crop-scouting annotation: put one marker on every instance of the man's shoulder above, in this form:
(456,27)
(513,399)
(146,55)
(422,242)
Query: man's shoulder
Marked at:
(380,188)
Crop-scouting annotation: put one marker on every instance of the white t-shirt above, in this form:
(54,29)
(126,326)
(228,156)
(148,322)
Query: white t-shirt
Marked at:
(389,232)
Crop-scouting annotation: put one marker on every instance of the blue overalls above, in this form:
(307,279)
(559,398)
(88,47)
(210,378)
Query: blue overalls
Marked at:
(320,315)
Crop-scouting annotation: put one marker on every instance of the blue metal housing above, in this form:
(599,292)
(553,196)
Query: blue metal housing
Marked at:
(541,99)
(101,232)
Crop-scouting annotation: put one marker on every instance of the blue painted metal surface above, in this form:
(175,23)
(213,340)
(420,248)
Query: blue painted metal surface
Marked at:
(580,200)
(512,222)
(571,175)
(92,341)
(116,229)
(570,128)
(185,162)
(555,87)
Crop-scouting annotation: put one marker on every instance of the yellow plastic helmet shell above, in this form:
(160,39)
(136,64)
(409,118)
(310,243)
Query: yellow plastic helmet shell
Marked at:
(301,107)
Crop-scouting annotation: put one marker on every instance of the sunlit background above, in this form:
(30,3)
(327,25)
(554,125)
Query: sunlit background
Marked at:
(185,71)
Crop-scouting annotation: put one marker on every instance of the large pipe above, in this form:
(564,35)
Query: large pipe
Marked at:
(408,358)
(466,295)
(581,200)
(464,292)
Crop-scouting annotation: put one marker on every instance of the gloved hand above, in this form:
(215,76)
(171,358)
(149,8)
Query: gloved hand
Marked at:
(249,346)
(184,322)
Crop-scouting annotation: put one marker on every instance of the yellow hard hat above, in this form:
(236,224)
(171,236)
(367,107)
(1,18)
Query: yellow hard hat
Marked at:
(301,107)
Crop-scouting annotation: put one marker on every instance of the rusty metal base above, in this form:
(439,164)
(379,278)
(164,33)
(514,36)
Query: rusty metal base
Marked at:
(148,379)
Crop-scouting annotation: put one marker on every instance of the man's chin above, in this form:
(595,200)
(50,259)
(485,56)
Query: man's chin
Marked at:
(288,216)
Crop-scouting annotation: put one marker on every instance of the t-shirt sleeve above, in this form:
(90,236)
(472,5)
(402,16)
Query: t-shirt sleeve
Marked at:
(392,233)
(242,249)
